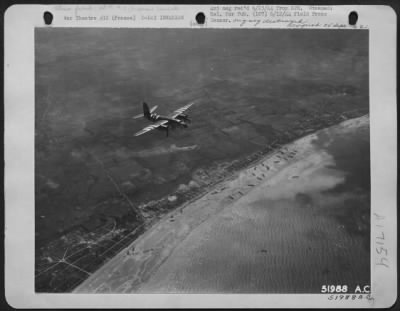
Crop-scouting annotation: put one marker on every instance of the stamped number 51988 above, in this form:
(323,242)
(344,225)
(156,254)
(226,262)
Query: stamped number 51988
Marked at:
(334,289)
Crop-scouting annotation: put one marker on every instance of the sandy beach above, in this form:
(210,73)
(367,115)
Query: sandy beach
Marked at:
(293,222)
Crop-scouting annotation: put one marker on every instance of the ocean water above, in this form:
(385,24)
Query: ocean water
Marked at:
(291,234)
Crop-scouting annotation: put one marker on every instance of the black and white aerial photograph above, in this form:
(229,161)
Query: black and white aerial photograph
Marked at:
(174,160)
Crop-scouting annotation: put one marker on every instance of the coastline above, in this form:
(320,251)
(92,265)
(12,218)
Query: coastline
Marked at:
(138,263)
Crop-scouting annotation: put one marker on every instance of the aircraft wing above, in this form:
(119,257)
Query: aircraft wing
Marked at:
(181,110)
(152,127)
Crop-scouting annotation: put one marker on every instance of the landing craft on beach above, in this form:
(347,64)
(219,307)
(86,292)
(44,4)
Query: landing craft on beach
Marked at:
(163,123)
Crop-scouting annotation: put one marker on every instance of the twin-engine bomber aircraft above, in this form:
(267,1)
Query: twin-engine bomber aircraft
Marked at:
(163,123)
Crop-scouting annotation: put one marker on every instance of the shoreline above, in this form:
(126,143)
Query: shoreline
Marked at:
(95,240)
(134,265)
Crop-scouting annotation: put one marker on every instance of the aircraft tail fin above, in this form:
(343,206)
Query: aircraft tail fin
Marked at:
(146,111)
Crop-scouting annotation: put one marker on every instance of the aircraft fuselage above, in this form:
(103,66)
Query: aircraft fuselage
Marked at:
(180,120)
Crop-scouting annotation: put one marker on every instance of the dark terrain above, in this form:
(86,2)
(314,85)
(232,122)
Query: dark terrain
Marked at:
(253,89)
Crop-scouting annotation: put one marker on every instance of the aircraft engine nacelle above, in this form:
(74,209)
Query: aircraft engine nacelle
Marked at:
(184,117)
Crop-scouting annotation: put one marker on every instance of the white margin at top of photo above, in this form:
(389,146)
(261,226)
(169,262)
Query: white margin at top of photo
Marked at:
(19,24)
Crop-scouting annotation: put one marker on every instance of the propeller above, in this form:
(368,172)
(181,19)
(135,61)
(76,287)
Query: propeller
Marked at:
(153,108)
